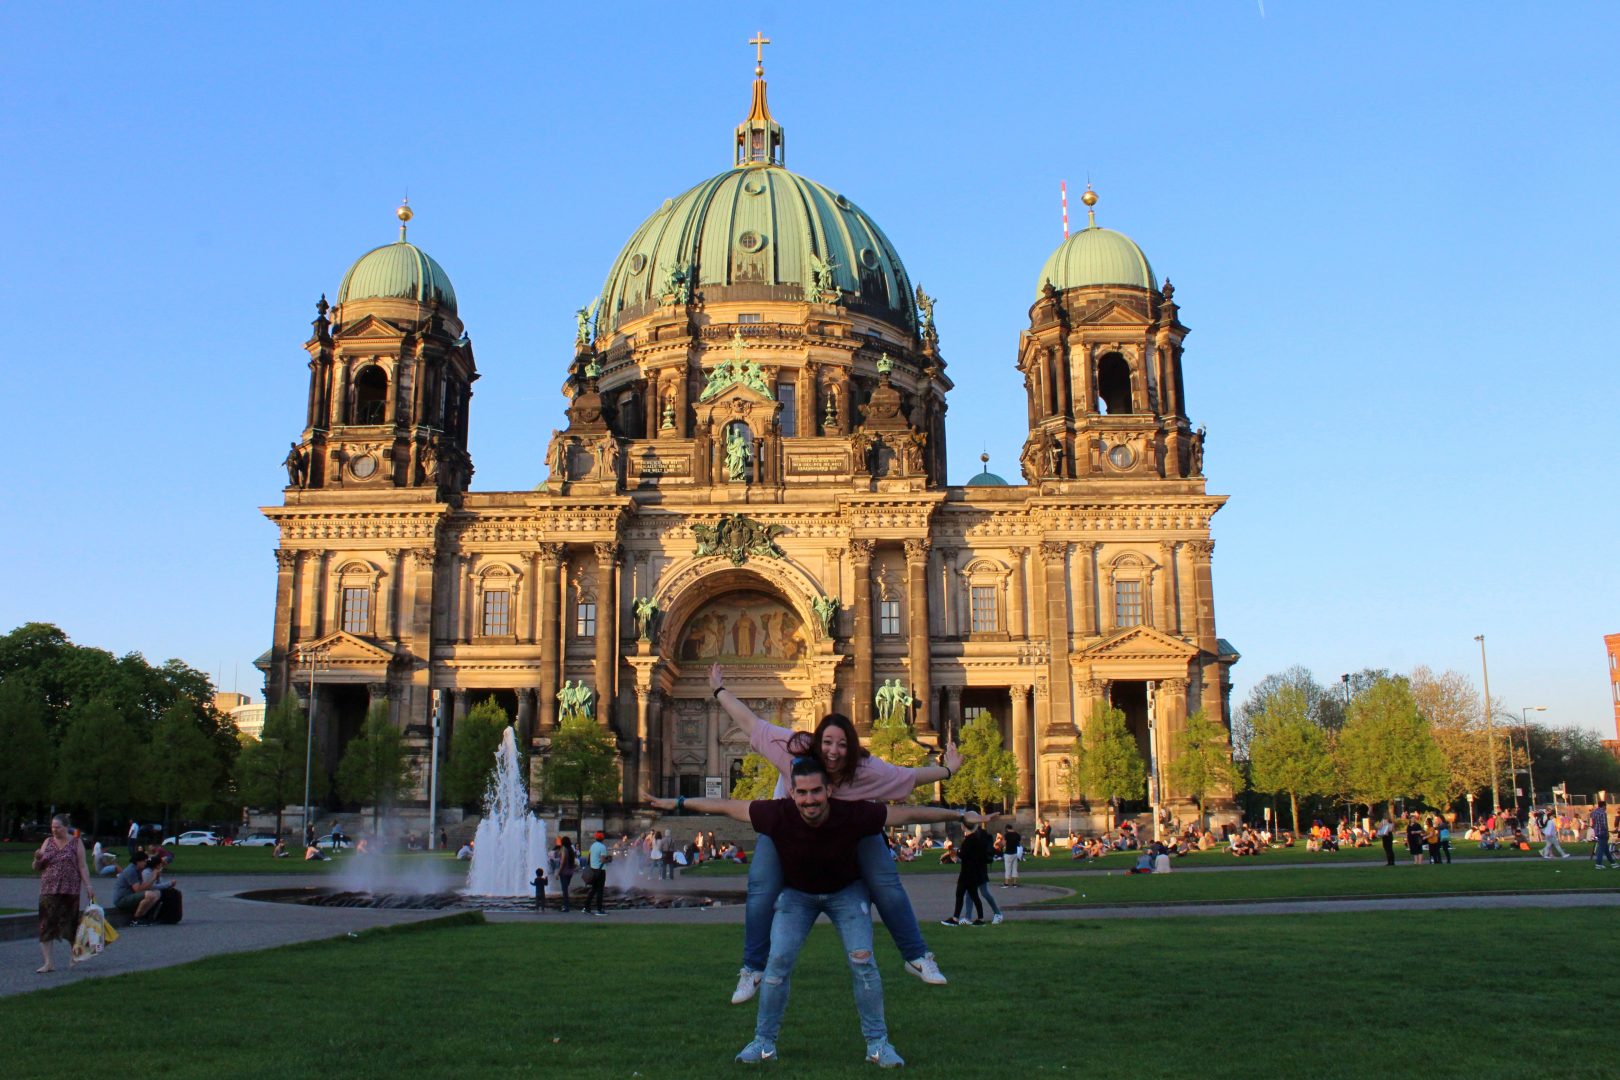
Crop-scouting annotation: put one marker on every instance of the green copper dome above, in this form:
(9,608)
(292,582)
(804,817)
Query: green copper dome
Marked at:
(399,271)
(754,233)
(1096,257)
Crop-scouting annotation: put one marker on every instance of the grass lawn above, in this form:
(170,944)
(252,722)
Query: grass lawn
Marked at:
(1483,876)
(16,860)
(1321,996)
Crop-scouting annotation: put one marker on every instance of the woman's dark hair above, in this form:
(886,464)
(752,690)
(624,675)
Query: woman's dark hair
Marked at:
(567,841)
(803,742)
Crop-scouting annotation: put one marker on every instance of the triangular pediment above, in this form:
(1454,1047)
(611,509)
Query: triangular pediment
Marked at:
(345,650)
(1139,643)
(371,326)
(739,392)
(1114,313)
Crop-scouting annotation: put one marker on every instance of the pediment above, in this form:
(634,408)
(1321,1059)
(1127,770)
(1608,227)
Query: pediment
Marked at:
(1114,313)
(346,650)
(1138,643)
(371,326)
(739,392)
(734,736)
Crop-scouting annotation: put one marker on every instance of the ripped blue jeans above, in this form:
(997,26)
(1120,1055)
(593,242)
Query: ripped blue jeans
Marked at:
(878,872)
(796,913)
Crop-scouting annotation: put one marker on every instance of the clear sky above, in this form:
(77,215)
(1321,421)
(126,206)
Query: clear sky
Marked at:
(1391,228)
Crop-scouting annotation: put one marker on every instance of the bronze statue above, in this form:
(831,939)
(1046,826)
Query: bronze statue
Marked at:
(1054,456)
(646,610)
(297,467)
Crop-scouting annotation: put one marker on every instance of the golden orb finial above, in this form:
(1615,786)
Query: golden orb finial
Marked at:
(1090,199)
(404,214)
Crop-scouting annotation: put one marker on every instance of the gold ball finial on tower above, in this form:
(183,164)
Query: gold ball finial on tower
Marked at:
(1090,199)
(404,214)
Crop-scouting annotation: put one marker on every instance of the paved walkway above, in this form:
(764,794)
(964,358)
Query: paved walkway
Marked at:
(219,921)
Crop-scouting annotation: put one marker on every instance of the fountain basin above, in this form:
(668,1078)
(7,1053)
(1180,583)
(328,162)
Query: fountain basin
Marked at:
(619,899)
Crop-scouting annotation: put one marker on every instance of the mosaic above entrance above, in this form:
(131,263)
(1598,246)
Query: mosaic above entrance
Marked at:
(744,627)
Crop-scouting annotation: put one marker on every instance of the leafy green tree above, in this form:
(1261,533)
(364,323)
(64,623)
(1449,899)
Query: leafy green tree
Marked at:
(181,767)
(758,778)
(1387,749)
(1204,764)
(1451,705)
(99,760)
(1575,757)
(25,752)
(1111,766)
(1288,749)
(894,740)
(270,769)
(376,766)
(989,772)
(582,766)
(472,752)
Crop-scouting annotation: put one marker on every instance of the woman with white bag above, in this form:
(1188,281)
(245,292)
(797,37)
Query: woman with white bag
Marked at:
(62,873)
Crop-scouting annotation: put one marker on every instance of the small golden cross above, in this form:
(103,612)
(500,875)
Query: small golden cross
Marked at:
(759,41)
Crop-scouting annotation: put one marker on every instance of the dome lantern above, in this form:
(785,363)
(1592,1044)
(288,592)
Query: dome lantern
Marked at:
(759,138)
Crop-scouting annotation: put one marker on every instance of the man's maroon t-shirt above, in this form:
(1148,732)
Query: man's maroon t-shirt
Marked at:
(821,859)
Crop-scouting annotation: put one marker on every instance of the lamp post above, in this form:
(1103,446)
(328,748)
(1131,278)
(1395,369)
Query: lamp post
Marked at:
(313,658)
(1529,761)
(1490,728)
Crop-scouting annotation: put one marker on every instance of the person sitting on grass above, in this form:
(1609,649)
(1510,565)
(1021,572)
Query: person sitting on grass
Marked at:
(817,838)
(280,850)
(314,854)
(947,855)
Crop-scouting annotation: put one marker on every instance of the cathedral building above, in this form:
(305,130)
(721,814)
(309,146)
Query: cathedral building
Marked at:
(751,470)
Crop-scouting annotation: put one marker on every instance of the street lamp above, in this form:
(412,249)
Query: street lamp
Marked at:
(1529,762)
(1490,728)
(313,658)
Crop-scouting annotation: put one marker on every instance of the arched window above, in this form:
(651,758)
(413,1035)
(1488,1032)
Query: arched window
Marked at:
(1114,384)
(371,395)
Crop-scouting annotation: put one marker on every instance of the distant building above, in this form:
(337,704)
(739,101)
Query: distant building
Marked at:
(249,717)
(1612,642)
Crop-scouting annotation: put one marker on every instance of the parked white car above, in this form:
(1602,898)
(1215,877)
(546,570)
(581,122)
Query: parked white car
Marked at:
(195,838)
(258,839)
(326,843)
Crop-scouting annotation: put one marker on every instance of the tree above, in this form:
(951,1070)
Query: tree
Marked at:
(989,772)
(99,758)
(1450,704)
(181,765)
(1288,750)
(1575,757)
(25,752)
(472,752)
(894,740)
(1111,766)
(1204,764)
(270,770)
(582,767)
(758,779)
(1387,750)
(376,767)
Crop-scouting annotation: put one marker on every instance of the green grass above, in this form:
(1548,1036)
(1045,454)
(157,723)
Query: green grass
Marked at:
(1322,996)
(17,861)
(13,911)
(1484,876)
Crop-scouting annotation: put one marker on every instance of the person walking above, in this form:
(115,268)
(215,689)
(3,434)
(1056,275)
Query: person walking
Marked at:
(666,856)
(1431,840)
(1011,845)
(973,879)
(1043,838)
(63,872)
(1414,839)
(1600,837)
(566,868)
(1386,836)
(134,836)
(539,884)
(1548,824)
(597,878)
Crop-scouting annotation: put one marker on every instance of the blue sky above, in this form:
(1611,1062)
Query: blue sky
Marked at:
(1391,229)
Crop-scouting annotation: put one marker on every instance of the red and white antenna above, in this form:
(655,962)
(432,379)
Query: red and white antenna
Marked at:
(1064,184)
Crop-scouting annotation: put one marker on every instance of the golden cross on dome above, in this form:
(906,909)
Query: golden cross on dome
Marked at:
(759,41)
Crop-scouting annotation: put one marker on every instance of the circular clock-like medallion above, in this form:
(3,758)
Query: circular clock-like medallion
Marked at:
(1121,456)
(363,467)
(869,258)
(751,241)
(638,263)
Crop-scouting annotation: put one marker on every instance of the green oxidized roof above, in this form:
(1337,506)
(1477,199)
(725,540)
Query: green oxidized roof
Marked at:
(1096,257)
(751,232)
(399,271)
(986,479)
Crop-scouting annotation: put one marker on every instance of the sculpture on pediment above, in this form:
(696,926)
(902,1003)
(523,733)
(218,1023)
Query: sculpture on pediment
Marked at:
(646,611)
(582,325)
(823,284)
(925,319)
(297,464)
(891,700)
(557,455)
(574,700)
(1198,452)
(677,288)
(737,537)
(607,457)
(736,457)
(826,609)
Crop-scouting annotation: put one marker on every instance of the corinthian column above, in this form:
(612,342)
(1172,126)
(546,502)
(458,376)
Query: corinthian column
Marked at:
(607,555)
(917,623)
(1053,553)
(550,634)
(860,558)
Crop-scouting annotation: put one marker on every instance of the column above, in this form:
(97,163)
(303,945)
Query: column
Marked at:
(1202,550)
(1164,595)
(606,643)
(281,643)
(644,758)
(1053,555)
(1170,714)
(1017,617)
(1023,744)
(947,582)
(952,720)
(420,630)
(1186,592)
(382,625)
(918,646)
(396,584)
(1092,691)
(860,557)
(464,597)
(1085,554)
(525,717)
(551,634)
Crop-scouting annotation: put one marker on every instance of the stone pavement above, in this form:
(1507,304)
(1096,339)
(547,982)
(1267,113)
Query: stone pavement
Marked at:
(219,921)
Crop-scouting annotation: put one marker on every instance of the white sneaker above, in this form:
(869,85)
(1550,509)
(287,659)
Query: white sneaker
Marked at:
(747,986)
(996,921)
(926,969)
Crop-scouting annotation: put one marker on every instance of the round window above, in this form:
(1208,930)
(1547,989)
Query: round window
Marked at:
(754,186)
(843,203)
(638,263)
(1121,456)
(751,241)
(363,467)
(869,258)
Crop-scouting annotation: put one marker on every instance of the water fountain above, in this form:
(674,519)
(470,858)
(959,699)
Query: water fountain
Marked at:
(510,841)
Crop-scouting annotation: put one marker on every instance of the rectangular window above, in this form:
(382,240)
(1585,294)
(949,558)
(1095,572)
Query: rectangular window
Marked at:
(889,618)
(789,414)
(497,612)
(357,611)
(748,318)
(984,609)
(1127,603)
(585,619)
(973,712)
